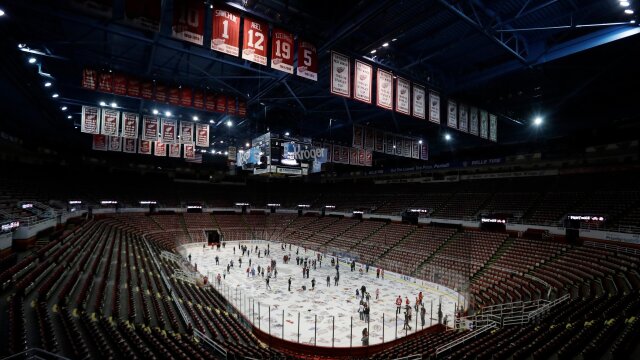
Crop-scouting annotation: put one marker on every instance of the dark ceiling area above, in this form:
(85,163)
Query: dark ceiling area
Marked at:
(574,63)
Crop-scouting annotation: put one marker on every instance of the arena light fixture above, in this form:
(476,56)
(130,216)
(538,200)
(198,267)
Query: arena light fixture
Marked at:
(385,44)
(628,11)
(55,95)
(229,123)
(447,137)
(247,145)
(211,121)
(167,113)
(32,60)
(624,3)
(69,116)
(226,153)
(286,134)
(47,84)
(420,142)
(102,103)
(21,46)
(632,21)
(373,51)
(537,121)
(114,105)
(2,12)
(221,141)
(155,111)
(64,108)
(195,118)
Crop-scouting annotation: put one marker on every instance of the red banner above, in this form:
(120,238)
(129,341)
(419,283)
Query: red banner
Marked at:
(146,90)
(188,21)
(89,79)
(221,103)
(226,32)
(90,120)
(368,158)
(344,154)
(186,132)
(361,157)
(174,150)
(145,147)
(120,84)
(115,143)
(254,41)
(242,108)
(231,106)
(202,135)
(198,99)
(99,142)
(161,93)
(353,156)
(129,146)
(129,125)
(189,151)
(133,87)
(282,51)
(335,156)
(169,131)
(150,128)
(369,138)
(210,102)
(358,134)
(110,122)
(159,149)
(186,96)
(173,97)
(307,61)
(105,82)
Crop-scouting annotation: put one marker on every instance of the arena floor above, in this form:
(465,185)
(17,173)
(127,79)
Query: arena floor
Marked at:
(328,303)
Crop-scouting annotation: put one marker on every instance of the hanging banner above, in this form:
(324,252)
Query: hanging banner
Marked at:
(329,148)
(186,95)
(242,108)
(160,148)
(89,79)
(99,142)
(133,87)
(146,90)
(335,154)
(452,114)
(434,107)
(221,103)
(473,122)
(186,132)
(379,141)
(210,102)
(174,150)
(340,74)
(150,127)
(226,32)
(129,146)
(424,151)
(232,153)
(144,14)
(198,99)
(202,135)
(362,82)
(129,125)
(369,138)
(358,134)
(403,94)
(493,128)
(361,157)
(463,125)
(189,151)
(120,84)
(384,89)
(389,143)
(418,102)
(231,106)
(254,41)
(105,82)
(90,120)
(188,21)
(344,154)
(406,147)
(484,124)
(415,149)
(161,93)
(145,147)
(169,133)
(399,144)
(173,96)
(282,50)
(110,122)
(307,61)
(353,156)
(115,143)
(368,158)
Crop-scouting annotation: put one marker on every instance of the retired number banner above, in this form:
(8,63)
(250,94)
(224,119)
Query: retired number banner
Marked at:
(254,43)
(384,90)
(340,74)
(493,128)
(90,121)
(403,94)
(452,114)
(434,107)
(115,143)
(110,122)
(145,147)
(418,102)
(174,150)
(188,21)
(169,131)
(484,124)
(129,146)
(160,148)
(282,51)
(415,149)
(424,151)
(226,32)
(150,128)
(129,125)
(473,122)
(463,125)
(307,61)
(99,142)
(202,135)
(362,82)
(186,132)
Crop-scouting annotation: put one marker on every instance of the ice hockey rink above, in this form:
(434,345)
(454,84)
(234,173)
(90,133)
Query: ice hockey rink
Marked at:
(328,314)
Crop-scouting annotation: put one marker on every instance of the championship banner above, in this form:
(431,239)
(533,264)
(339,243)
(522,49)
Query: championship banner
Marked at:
(110,122)
(144,14)
(406,147)
(189,152)
(173,97)
(202,135)
(221,103)
(231,106)
(424,151)
(90,120)
(133,87)
(344,154)
(463,110)
(105,82)
(242,108)
(484,124)
(115,143)
(99,142)
(340,74)
(89,79)
(226,32)
(358,133)
(186,96)
(398,145)
(210,102)
(186,132)
(418,102)
(188,21)
(361,157)
(144,147)
(415,149)
(389,143)
(161,93)
(353,156)
(150,127)
(198,99)
(384,90)
(369,138)
(282,51)
(403,94)
(254,41)
(120,84)
(362,82)
(368,158)
(174,150)
(434,107)
(452,114)
(335,154)
(129,125)
(379,141)
(146,90)
(169,131)
(473,125)
(493,128)
(160,148)
(129,146)
(307,61)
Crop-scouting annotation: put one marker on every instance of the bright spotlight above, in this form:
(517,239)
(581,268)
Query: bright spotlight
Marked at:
(167,113)
(47,84)
(55,96)
(247,145)
(221,141)
(394,146)
(1,12)
(195,118)
(69,116)
(628,11)
(373,51)
(286,134)
(102,103)
(114,105)
(155,111)
(32,60)
(420,142)
(385,44)
(537,121)
(447,137)
(624,3)
(229,123)
(211,121)
(226,153)
(64,108)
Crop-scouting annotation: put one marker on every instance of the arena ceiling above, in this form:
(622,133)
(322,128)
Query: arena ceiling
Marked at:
(570,61)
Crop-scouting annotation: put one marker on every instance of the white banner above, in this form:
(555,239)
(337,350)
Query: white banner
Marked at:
(130,125)
(110,122)
(493,128)
(340,74)
(452,114)
(384,89)
(403,95)
(473,122)
(189,152)
(362,82)
(418,101)
(174,150)
(160,149)
(434,107)
(90,121)
(115,143)
(150,128)
(202,135)
(169,131)
(484,124)
(463,111)
(186,132)
(99,142)
(129,146)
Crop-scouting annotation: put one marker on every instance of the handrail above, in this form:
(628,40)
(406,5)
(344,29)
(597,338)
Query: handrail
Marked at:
(36,353)
(464,338)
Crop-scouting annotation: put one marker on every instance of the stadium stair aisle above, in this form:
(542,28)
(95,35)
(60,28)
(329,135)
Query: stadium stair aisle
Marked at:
(398,244)
(434,254)
(497,255)
(183,226)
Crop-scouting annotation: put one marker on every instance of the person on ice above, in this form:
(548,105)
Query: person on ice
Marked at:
(328,280)
(289,283)
(398,304)
(313,283)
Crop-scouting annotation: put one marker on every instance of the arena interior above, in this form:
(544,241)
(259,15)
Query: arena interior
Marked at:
(203,179)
